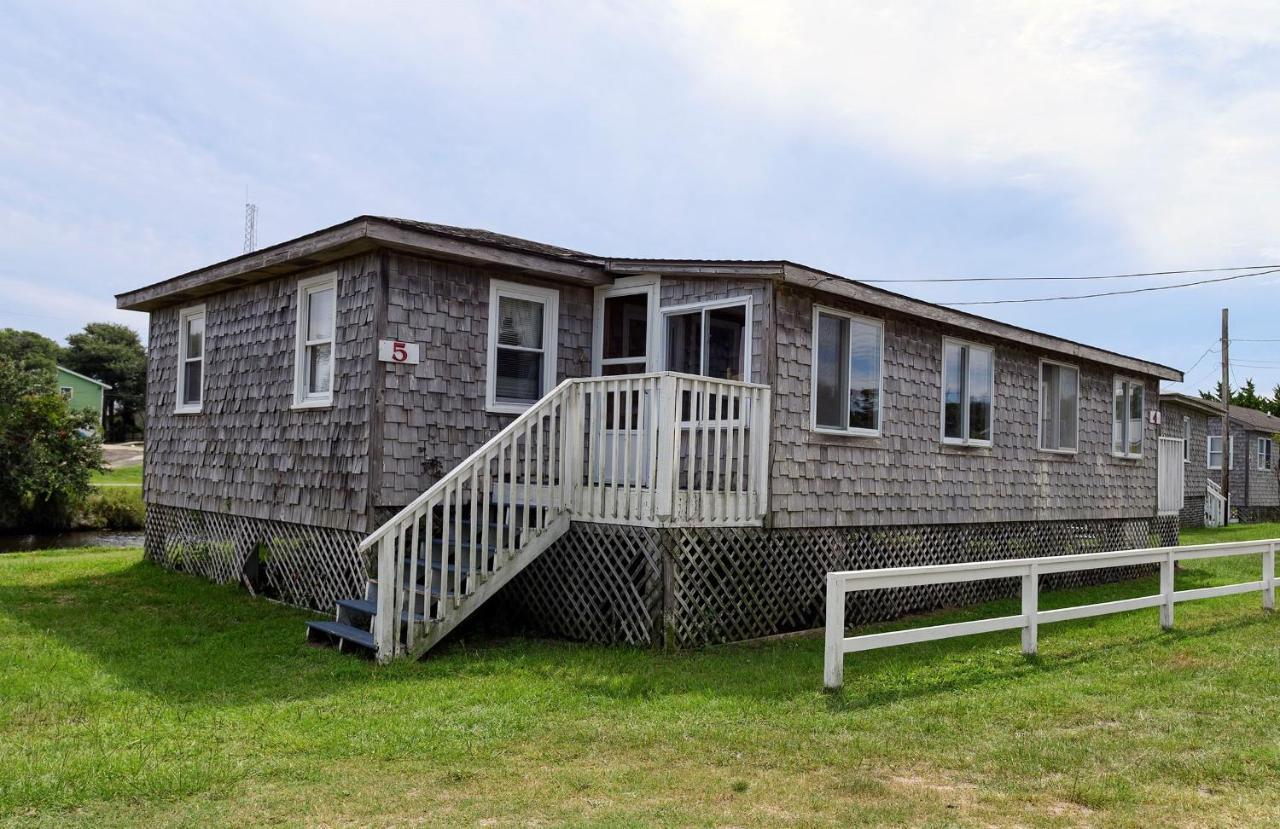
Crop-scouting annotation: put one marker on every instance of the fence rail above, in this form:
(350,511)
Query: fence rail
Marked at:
(1029,570)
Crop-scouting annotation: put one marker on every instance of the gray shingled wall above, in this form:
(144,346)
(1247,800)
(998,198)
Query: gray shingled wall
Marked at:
(1195,470)
(248,453)
(1251,488)
(907,476)
(435,411)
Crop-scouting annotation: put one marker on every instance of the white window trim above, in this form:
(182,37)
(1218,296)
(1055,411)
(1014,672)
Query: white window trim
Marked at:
(1231,452)
(1259,454)
(1186,439)
(549,298)
(1040,409)
(301,400)
(710,305)
(942,396)
(184,317)
(813,374)
(625,286)
(1132,381)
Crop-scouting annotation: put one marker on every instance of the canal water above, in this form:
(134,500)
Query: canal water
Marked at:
(56,541)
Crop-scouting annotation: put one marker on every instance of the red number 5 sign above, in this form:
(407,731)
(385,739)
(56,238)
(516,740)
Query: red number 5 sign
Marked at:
(396,351)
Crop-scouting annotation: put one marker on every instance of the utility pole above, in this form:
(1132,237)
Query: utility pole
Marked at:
(1226,412)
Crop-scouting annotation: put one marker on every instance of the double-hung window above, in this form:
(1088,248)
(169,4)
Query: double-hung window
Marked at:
(521,365)
(1059,407)
(1127,420)
(847,365)
(1186,439)
(968,389)
(1264,453)
(1213,447)
(190,360)
(317,320)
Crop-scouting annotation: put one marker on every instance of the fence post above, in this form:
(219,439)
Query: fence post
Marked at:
(573,421)
(1166,590)
(1269,577)
(1030,609)
(668,442)
(833,653)
(384,622)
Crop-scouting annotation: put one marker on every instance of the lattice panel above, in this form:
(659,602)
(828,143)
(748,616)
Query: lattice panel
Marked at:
(741,583)
(305,566)
(597,583)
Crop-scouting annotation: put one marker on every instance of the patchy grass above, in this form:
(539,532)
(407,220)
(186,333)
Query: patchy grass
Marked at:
(121,476)
(134,696)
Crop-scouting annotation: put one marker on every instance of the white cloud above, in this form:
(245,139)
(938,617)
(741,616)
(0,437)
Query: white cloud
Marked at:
(1160,116)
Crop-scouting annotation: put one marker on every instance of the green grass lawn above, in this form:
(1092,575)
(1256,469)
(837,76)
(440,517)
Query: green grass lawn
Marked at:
(134,696)
(119,476)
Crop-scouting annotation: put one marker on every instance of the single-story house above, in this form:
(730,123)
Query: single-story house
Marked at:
(1253,485)
(402,418)
(83,393)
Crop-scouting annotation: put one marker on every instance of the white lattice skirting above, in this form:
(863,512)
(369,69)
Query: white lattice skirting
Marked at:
(308,567)
(691,587)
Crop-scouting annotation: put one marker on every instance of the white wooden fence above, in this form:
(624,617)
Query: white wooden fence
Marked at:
(1029,571)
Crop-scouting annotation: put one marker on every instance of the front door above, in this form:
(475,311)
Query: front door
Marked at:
(624,345)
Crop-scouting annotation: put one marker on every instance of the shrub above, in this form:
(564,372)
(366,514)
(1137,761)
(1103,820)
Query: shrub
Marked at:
(113,508)
(47,452)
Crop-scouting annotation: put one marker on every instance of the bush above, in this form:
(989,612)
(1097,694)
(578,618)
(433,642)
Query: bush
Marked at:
(114,508)
(47,452)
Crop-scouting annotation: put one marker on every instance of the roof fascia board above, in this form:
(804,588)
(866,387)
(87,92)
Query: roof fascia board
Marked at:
(840,286)
(1205,406)
(670,267)
(425,242)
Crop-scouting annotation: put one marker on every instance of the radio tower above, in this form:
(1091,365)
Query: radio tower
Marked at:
(250,227)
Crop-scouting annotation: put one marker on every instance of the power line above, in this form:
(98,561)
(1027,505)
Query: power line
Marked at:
(1065,278)
(1112,293)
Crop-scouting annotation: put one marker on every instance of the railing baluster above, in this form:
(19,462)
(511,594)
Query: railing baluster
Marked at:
(600,404)
(526,514)
(409,539)
(429,554)
(457,539)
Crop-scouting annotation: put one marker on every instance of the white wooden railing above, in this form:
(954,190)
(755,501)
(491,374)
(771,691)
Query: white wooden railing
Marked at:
(646,449)
(1217,509)
(1029,570)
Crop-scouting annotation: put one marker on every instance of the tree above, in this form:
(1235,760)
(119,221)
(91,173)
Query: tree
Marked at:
(1248,397)
(47,452)
(112,353)
(30,352)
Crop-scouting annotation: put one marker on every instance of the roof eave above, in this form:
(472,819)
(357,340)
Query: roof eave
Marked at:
(359,235)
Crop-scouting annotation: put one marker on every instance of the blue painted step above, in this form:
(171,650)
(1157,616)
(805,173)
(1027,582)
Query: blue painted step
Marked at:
(343,632)
(370,608)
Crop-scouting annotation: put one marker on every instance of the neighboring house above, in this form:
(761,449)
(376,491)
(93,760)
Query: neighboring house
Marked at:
(1252,456)
(648,450)
(82,392)
(1186,418)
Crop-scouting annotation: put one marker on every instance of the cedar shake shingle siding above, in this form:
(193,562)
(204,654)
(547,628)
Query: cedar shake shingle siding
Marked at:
(247,452)
(435,411)
(1195,471)
(1251,487)
(907,476)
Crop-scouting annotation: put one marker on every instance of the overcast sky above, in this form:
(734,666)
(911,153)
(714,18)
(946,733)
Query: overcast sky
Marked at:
(888,140)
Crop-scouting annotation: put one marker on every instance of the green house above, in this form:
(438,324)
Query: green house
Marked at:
(82,392)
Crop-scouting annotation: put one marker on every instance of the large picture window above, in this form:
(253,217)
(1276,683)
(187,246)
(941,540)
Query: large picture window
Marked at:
(521,365)
(968,389)
(190,398)
(317,319)
(1127,420)
(1059,407)
(847,365)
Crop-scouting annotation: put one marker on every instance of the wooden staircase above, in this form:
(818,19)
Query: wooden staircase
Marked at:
(645,449)
(446,585)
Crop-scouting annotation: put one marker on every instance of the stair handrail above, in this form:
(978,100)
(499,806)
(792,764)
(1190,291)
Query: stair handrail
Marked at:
(464,468)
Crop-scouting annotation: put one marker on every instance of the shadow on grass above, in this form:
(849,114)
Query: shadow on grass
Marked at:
(192,642)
